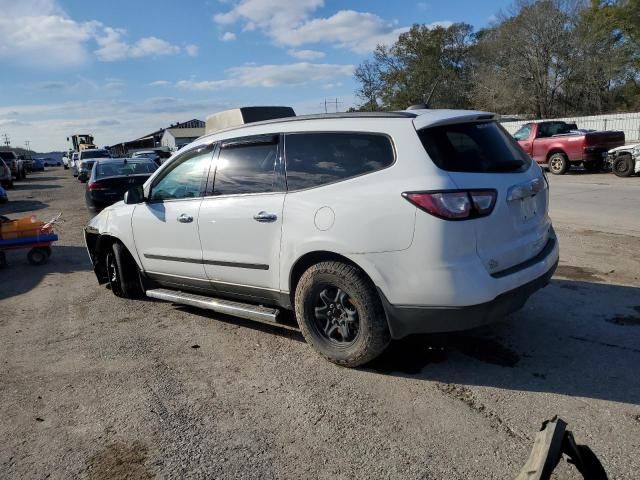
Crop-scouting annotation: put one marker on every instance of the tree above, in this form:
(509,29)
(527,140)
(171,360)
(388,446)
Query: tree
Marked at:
(421,61)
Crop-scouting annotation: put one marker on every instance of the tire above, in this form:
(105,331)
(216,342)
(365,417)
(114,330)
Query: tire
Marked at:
(122,272)
(340,314)
(558,164)
(594,166)
(623,166)
(37,256)
(66,167)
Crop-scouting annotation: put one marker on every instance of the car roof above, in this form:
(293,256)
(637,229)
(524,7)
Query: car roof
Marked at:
(421,119)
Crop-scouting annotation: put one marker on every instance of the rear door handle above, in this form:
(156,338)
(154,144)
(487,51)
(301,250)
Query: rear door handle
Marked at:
(184,218)
(265,217)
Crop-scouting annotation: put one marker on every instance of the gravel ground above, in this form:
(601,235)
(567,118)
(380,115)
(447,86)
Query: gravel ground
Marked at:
(93,386)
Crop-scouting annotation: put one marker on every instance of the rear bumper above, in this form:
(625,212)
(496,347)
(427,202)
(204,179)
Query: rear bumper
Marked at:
(411,319)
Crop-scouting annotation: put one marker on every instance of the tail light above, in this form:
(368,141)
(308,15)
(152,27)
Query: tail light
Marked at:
(454,204)
(95,186)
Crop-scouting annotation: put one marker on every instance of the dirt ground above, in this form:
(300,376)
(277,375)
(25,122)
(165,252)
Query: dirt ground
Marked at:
(93,386)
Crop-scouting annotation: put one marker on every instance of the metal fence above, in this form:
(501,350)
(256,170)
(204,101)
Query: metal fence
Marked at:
(629,123)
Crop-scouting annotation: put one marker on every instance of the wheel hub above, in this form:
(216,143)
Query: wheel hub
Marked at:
(336,317)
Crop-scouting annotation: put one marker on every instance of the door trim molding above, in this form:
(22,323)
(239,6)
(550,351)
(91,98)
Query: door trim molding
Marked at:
(251,266)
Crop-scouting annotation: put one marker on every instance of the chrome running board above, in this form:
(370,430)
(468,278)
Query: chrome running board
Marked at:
(236,309)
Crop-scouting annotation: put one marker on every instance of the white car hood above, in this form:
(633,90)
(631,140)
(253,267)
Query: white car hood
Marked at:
(625,147)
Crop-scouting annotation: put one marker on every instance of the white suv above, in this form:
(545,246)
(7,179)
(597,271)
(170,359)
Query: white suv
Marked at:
(368,226)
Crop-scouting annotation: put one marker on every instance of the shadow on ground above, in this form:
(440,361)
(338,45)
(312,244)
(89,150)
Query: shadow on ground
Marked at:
(573,338)
(20,277)
(21,206)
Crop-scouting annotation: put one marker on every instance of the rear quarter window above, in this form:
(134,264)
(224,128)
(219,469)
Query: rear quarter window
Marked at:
(479,147)
(315,159)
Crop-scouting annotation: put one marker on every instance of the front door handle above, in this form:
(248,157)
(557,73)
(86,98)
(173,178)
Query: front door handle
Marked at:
(265,217)
(184,218)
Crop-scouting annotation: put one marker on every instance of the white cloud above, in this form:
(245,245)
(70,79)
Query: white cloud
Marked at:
(306,54)
(40,33)
(159,83)
(113,47)
(357,31)
(293,25)
(268,76)
(228,37)
(192,50)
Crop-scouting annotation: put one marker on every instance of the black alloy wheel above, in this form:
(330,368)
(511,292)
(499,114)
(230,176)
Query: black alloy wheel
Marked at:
(336,317)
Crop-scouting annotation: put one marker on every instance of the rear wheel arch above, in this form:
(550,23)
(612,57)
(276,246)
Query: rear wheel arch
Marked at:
(309,259)
(553,151)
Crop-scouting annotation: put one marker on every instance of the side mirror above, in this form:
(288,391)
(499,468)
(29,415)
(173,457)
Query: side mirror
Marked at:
(134,195)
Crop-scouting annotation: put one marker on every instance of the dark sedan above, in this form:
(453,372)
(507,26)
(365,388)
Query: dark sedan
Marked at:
(112,177)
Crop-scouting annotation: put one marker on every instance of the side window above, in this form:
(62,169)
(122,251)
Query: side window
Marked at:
(315,159)
(246,167)
(523,133)
(185,178)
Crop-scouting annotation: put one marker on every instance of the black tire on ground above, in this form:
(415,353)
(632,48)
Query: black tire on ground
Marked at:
(37,256)
(623,166)
(558,164)
(340,314)
(66,167)
(122,271)
(593,166)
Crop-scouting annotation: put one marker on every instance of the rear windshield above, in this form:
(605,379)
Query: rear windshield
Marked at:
(95,154)
(473,147)
(88,165)
(117,169)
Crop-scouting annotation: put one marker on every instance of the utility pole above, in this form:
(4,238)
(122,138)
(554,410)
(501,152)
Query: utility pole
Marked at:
(26,144)
(331,101)
(6,140)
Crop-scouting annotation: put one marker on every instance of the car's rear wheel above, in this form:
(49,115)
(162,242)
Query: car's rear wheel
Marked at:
(558,164)
(623,166)
(340,314)
(122,273)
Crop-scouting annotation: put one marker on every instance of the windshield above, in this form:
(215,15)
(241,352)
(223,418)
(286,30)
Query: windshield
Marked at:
(118,169)
(95,154)
(473,147)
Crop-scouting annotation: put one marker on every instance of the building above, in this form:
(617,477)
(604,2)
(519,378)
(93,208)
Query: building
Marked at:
(154,139)
(175,138)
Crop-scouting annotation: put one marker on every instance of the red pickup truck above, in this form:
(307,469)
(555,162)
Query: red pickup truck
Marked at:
(559,145)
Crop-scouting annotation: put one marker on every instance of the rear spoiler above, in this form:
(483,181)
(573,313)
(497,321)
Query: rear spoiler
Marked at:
(434,118)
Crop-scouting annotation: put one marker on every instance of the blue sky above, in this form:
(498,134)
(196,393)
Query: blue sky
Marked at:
(120,69)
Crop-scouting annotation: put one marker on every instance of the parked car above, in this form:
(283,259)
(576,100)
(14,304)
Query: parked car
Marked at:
(560,145)
(37,165)
(368,226)
(6,178)
(27,161)
(149,154)
(84,170)
(16,165)
(51,162)
(625,160)
(111,178)
(3,195)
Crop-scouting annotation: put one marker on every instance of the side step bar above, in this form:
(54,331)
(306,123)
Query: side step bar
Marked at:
(236,309)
